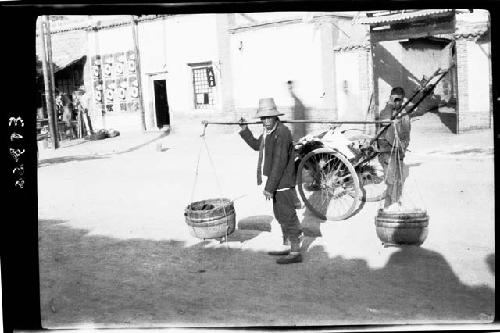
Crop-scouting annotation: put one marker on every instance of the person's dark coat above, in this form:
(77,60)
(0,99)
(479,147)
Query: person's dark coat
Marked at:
(279,158)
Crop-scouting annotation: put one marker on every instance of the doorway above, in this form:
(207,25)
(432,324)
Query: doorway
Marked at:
(161,103)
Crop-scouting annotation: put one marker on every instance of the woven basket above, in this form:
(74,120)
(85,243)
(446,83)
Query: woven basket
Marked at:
(211,218)
(402,228)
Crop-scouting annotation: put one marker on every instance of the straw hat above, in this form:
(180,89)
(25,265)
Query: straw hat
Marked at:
(267,108)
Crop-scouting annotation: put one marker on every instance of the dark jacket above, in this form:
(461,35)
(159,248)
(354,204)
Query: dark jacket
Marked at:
(279,159)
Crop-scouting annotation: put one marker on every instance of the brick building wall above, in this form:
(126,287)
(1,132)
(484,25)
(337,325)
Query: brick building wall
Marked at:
(474,91)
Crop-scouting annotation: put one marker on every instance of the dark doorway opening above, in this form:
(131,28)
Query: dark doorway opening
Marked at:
(161,103)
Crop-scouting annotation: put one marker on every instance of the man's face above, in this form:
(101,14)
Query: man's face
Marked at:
(396,100)
(268,122)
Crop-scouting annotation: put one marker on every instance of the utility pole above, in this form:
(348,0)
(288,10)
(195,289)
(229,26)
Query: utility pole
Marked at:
(95,29)
(138,71)
(48,77)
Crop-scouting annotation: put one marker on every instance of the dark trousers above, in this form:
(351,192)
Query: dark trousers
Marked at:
(284,212)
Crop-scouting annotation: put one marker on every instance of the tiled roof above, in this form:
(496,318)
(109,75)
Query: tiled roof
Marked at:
(98,22)
(387,17)
(471,32)
(345,48)
(67,48)
(69,37)
(471,25)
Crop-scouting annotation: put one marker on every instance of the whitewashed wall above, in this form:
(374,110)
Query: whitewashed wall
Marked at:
(166,46)
(264,59)
(108,41)
(352,76)
(171,44)
(114,40)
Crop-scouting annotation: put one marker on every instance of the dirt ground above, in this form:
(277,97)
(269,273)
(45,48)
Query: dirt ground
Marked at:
(115,250)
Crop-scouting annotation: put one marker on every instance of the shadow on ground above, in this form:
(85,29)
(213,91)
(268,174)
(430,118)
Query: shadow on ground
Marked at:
(88,279)
(144,144)
(474,151)
(490,260)
(80,158)
(258,222)
(65,159)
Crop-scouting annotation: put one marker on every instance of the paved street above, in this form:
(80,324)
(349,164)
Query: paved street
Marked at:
(115,249)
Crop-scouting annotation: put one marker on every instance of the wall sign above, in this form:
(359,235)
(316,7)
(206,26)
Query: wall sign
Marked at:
(210,76)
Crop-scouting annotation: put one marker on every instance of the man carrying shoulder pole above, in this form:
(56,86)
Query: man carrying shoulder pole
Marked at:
(276,162)
(392,145)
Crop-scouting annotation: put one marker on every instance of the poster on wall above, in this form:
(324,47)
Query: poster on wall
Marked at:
(133,88)
(96,65)
(133,106)
(109,93)
(119,64)
(98,92)
(107,65)
(121,89)
(115,81)
(131,62)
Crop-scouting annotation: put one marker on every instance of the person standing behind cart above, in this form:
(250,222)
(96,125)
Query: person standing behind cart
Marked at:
(276,162)
(392,145)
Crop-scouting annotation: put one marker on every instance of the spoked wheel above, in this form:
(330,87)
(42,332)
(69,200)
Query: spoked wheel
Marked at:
(371,178)
(370,173)
(328,184)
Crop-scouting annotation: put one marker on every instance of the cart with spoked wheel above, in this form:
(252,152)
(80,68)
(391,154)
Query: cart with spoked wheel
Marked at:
(337,169)
(330,180)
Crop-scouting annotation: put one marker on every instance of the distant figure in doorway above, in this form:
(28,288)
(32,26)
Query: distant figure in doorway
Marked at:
(298,113)
(59,105)
(392,145)
(67,116)
(277,163)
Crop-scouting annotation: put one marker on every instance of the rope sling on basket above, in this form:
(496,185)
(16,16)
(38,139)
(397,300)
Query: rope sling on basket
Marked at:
(401,223)
(209,218)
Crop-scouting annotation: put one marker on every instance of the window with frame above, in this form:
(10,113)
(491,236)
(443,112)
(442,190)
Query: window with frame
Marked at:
(204,85)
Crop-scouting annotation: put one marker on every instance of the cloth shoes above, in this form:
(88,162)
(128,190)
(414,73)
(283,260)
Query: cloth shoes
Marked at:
(279,252)
(290,256)
(283,251)
(293,257)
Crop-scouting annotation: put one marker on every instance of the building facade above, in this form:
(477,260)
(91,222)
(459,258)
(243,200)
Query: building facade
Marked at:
(172,71)
(408,46)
